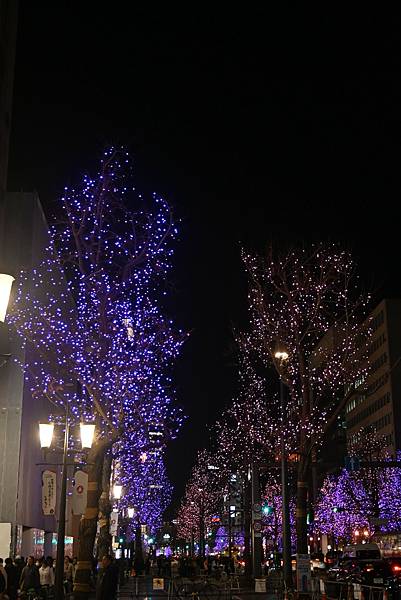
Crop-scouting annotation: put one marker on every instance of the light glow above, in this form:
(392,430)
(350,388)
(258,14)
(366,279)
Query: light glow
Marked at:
(87,434)
(46,434)
(117,491)
(6,282)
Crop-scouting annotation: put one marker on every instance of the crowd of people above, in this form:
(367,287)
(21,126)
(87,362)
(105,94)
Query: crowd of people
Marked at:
(20,576)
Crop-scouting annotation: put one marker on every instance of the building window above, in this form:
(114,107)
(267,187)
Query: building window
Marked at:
(377,321)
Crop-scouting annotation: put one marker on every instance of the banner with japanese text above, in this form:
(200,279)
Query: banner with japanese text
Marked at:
(48,492)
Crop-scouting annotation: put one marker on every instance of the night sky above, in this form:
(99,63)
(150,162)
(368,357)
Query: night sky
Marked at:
(255,125)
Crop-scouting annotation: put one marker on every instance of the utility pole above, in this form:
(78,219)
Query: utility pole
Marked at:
(202,526)
(229,518)
(256,523)
(59,572)
(287,568)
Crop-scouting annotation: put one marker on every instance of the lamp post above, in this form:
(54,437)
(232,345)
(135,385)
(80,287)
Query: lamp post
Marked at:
(6,282)
(282,357)
(202,524)
(46,435)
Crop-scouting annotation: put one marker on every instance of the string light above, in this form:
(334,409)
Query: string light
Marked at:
(91,317)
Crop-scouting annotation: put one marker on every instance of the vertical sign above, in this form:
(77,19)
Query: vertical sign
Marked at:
(80,493)
(48,492)
(303,573)
(113,522)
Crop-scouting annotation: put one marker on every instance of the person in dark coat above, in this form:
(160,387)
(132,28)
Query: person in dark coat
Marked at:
(30,576)
(12,579)
(107,580)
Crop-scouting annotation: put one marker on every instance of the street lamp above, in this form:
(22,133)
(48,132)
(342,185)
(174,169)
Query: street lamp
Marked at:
(6,282)
(282,356)
(87,434)
(117,491)
(46,434)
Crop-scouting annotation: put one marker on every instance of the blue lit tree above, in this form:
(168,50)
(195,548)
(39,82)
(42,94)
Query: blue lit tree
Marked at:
(91,312)
(354,505)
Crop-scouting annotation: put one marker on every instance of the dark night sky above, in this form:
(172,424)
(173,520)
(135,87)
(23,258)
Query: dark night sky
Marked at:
(255,125)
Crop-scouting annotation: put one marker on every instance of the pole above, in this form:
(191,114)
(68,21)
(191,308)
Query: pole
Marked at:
(202,528)
(256,517)
(287,568)
(229,519)
(59,573)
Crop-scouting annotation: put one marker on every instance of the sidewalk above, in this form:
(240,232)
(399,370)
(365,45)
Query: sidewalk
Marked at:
(143,588)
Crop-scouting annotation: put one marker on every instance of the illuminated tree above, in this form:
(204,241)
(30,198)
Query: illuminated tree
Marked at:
(246,432)
(202,500)
(148,490)
(91,313)
(305,303)
(272,526)
(358,501)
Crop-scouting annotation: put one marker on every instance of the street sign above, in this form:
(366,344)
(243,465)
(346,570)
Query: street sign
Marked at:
(158,583)
(257,526)
(303,573)
(257,507)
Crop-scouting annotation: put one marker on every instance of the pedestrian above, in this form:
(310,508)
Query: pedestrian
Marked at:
(68,578)
(159,562)
(12,579)
(107,582)
(74,567)
(3,580)
(3,584)
(30,579)
(46,576)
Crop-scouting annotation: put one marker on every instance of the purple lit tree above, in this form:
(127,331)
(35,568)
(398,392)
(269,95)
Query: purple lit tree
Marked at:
(92,315)
(358,501)
(148,490)
(304,303)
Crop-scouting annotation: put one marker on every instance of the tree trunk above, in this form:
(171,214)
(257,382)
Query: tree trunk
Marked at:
(88,523)
(301,508)
(247,527)
(105,507)
(139,562)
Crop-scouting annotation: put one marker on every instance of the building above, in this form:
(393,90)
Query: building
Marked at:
(24,529)
(376,403)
